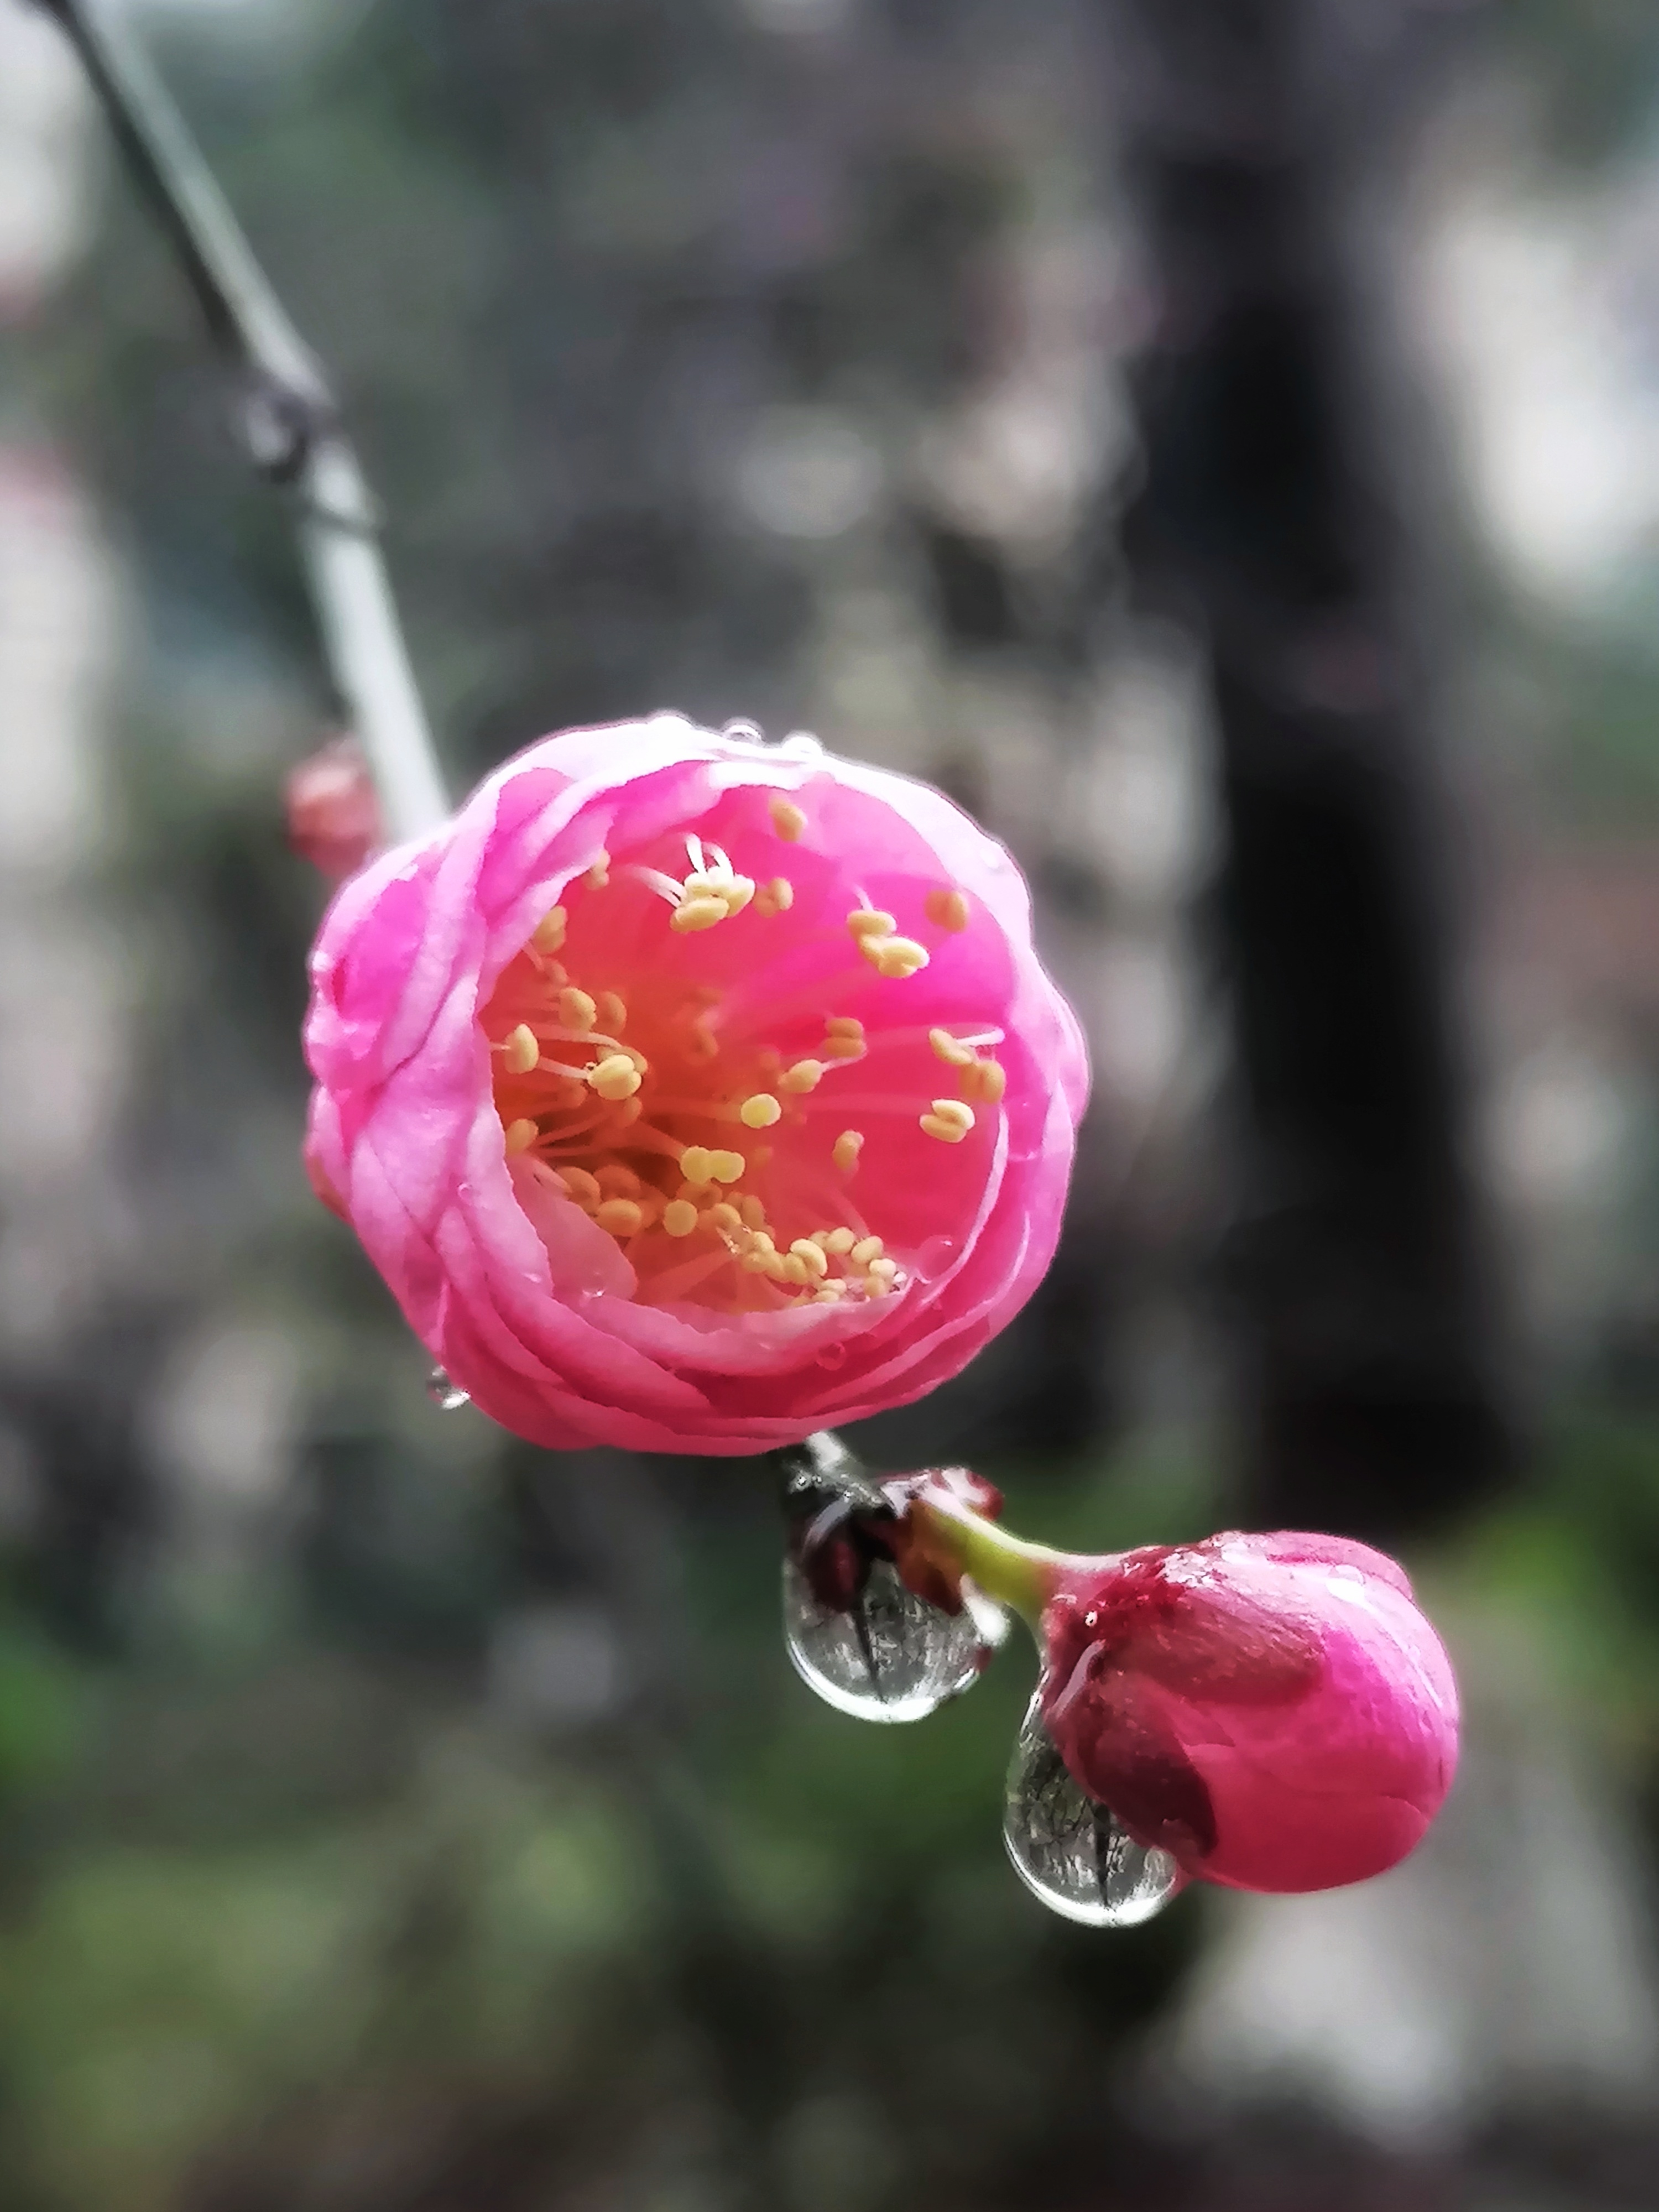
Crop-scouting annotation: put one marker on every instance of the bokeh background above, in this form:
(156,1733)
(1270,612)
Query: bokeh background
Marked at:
(1220,441)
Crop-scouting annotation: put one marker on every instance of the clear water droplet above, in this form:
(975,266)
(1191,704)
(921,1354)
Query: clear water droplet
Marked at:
(1070,1852)
(891,1657)
(802,746)
(834,1354)
(444,1393)
(933,1258)
(742,733)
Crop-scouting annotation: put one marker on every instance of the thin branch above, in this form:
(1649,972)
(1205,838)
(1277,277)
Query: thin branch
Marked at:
(287,415)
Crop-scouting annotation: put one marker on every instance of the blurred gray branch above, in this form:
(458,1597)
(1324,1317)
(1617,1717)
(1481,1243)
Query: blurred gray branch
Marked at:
(288,418)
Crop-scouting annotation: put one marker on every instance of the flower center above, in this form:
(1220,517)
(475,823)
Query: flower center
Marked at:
(671,1051)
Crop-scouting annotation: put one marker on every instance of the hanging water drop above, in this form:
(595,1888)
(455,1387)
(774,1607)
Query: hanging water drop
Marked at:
(446,1395)
(886,1654)
(1072,1852)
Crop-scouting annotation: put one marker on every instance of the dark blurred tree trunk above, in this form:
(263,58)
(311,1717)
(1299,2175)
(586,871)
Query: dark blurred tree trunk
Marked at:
(1274,519)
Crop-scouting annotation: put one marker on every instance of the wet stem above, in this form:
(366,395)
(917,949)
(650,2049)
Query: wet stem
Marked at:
(1016,1573)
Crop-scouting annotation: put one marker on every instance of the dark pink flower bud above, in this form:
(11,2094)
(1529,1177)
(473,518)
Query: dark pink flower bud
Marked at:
(1273,1710)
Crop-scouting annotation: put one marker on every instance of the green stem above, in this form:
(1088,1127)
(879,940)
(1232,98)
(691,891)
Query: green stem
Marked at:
(1016,1573)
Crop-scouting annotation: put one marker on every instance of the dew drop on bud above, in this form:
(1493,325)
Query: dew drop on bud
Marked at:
(444,1393)
(888,1655)
(1070,1852)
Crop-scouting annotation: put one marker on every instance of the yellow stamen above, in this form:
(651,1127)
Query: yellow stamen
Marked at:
(726,1167)
(576,1009)
(613,1012)
(522,1050)
(811,1255)
(725,1217)
(950,1120)
(698,1164)
(840,1242)
(759,1111)
(870,922)
(754,1213)
(866,1250)
(877,1285)
(946,909)
(616,1078)
(794,1269)
(804,1075)
(521,1135)
(787,819)
(549,932)
(581,1186)
(843,1048)
(896,958)
(679,1217)
(599,874)
(986,1079)
(847,1025)
(829,1294)
(776,897)
(621,1217)
(947,1049)
(698,912)
(886,1268)
(617,1181)
(845,1150)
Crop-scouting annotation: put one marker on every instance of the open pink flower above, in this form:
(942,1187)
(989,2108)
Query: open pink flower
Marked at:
(1274,1710)
(693,1093)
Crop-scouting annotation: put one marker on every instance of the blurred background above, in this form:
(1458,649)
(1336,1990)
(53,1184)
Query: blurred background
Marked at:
(1218,440)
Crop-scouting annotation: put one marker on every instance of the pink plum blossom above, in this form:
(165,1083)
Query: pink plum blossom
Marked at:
(692,1093)
(1273,1710)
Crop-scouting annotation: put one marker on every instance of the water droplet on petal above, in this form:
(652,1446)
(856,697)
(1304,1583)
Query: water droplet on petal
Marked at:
(890,1655)
(1070,1852)
(741,732)
(445,1395)
(834,1354)
(933,1258)
(802,746)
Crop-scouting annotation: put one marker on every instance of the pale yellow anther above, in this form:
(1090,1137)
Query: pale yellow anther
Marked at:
(811,1256)
(757,1263)
(776,897)
(795,1269)
(840,1242)
(896,958)
(679,1217)
(613,1012)
(847,1025)
(950,1120)
(725,1167)
(762,1243)
(599,874)
(787,819)
(725,1217)
(803,1075)
(821,1238)
(866,1250)
(697,914)
(581,1186)
(576,1009)
(549,933)
(845,1150)
(621,1217)
(521,1050)
(946,909)
(738,890)
(886,1268)
(947,1049)
(616,1078)
(754,1213)
(759,1110)
(617,1181)
(870,922)
(877,1286)
(521,1135)
(987,1079)
(843,1048)
(829,1294)
(698,1164)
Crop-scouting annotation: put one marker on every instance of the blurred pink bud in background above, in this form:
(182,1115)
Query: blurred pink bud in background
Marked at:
(333,815)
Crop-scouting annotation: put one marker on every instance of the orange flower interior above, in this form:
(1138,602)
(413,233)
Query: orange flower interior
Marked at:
(694,1118)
